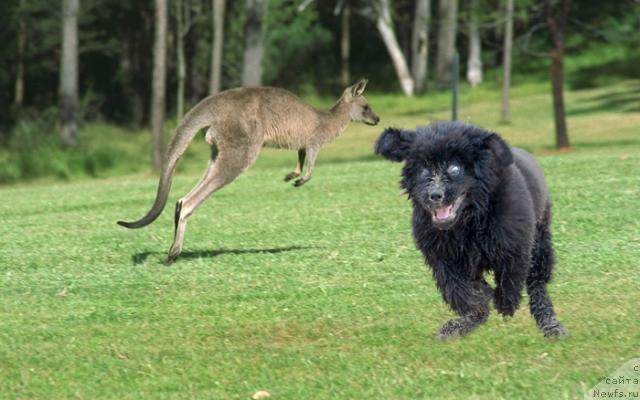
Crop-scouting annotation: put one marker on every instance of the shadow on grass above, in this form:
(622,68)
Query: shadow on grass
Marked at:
(621,100)
(139,258)
(607,143)
(552,150)
(592,76)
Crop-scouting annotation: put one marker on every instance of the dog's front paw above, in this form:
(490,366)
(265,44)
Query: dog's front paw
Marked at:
(455,327)
(450,329)
(505,305)
(300,182)
(463,325)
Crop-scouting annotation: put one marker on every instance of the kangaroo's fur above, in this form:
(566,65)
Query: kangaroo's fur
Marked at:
(240,122)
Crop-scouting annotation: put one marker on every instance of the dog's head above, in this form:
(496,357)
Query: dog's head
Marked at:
(448,166)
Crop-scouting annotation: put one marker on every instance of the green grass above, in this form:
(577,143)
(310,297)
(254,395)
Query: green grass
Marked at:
(315,292)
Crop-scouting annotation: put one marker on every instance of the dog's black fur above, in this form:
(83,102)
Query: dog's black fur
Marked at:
(478,205)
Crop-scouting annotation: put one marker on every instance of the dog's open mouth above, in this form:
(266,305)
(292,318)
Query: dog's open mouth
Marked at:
(445,214)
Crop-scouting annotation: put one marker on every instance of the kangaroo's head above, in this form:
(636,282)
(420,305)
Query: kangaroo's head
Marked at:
(359,110)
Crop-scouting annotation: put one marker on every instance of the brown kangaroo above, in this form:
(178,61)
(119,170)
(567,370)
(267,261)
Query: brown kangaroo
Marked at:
(240,122)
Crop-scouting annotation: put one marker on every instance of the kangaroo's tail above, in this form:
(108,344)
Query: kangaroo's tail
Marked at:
(198,118)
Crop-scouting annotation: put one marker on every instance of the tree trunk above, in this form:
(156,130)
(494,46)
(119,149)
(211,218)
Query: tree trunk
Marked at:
(181,66)
(69,73)
(216,49)
(557,23)
(158,87)
(131,95)
(345,43)
(18,97)
(385,27)
(253,43)
(448,14)
(474,63)
(506,62)
(420,45)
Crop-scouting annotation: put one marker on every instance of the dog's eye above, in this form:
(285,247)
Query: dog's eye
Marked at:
(425,172)
(454,170)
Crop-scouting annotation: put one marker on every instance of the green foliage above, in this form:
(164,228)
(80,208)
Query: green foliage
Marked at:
(34,151)
(301,51)
(233,44)
(292,39)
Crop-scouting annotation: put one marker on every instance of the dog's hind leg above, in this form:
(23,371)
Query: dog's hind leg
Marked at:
(228,165)
(539,276)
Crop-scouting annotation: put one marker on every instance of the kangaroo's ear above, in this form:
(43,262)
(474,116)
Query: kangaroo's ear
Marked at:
(395,144)
(357,89)
(500,149)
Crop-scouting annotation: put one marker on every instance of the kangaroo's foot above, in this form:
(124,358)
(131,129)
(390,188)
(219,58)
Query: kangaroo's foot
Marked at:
(290,176)
(300,182)
(173,254)
(461,326)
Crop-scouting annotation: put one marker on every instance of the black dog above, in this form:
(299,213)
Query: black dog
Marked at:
(477,206)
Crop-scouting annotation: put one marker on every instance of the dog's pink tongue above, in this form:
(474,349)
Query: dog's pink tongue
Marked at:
(443,212)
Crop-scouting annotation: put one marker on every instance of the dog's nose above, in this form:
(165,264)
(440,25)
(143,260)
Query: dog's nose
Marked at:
(436,195)
(377,119)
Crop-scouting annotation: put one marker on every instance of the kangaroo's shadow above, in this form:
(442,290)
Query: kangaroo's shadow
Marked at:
(139,258)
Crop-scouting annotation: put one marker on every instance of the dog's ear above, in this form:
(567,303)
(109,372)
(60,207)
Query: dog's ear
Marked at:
(500,149)
(394,144)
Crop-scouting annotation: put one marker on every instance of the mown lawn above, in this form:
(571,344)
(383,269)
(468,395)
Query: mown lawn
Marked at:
(315,292)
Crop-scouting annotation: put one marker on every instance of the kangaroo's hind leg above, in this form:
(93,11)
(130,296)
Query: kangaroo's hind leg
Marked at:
(312,153)
(228,165)
(302,153)
(539,276)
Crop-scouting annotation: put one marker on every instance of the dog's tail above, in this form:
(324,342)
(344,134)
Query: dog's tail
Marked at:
(196,119)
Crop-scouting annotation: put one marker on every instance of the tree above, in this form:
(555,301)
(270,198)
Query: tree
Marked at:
(474,63)
(420,44)
(18,96)
(342,8)
(448,14)
(69,72)
(158,85)
(345,43)
(556,16)
(216,49)
(385,28)
(183,24)
(506,61)
(253,43)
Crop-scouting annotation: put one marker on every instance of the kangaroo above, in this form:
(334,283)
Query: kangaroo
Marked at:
(240,122)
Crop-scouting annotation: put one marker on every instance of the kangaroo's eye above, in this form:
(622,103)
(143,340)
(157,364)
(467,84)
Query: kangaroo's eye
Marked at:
(454,170)
(366,108)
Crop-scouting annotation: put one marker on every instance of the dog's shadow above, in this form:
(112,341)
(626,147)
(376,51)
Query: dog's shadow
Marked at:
(139,258)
